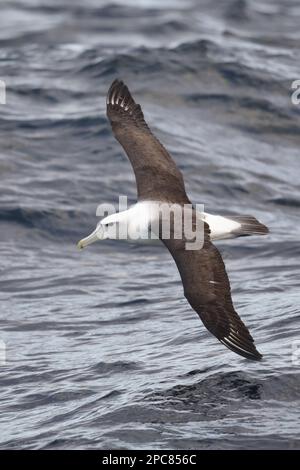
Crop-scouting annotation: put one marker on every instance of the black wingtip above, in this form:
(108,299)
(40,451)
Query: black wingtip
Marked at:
(119,96)
(248,351)
(114,90)
(120,103)
(116,83)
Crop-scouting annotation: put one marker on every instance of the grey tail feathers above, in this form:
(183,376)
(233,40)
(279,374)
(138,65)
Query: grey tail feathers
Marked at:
(249,226)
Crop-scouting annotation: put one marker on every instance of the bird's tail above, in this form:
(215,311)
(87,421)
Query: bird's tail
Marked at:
(248,226)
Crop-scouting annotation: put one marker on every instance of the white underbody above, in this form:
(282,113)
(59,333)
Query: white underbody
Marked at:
(139,217)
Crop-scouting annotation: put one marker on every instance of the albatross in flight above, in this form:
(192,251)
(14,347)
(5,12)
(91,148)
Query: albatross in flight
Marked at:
(204,278)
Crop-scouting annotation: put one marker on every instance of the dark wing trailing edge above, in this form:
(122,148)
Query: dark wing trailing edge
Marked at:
(207,289)
(157,175)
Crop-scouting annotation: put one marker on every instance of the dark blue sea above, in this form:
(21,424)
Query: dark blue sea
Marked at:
(99,349)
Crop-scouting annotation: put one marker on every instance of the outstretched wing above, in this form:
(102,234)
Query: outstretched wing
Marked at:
(157,176)
(207,289)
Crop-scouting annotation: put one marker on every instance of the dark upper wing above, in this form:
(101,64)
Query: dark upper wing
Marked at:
(157,176)
(207,289)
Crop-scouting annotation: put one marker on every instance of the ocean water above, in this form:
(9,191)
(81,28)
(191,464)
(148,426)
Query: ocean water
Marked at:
(102,349)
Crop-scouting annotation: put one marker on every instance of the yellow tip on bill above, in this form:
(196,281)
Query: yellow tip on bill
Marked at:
(80,245)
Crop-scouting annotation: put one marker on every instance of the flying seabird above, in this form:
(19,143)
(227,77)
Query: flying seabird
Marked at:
(204,278)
